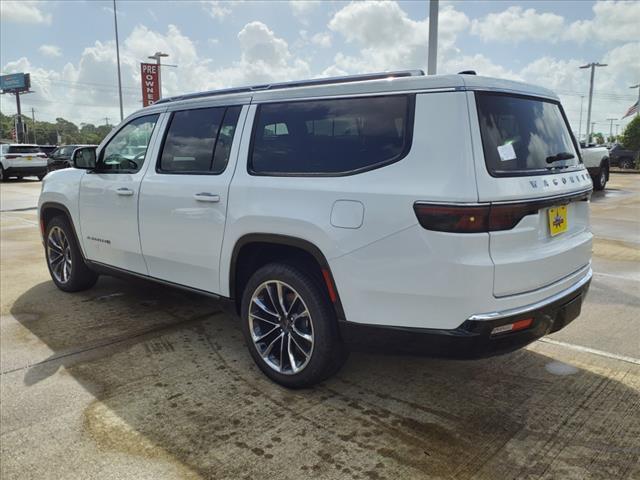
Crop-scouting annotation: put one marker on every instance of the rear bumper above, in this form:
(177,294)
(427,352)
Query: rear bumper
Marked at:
(473,339)
(25,171)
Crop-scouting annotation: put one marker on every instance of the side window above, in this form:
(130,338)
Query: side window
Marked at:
(199,141)
(225,139)
(331,137)
(126,151)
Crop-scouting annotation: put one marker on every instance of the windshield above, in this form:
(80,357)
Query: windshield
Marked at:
(523,135)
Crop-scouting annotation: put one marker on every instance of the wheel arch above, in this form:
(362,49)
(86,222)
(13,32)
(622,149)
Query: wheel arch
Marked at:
(49,210)
(244,261)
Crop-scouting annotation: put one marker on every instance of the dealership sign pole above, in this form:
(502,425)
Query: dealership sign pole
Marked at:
(149,75)
(16,83)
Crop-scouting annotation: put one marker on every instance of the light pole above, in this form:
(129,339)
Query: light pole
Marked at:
(433,37)
(592,66)
(115,23)
(611,126)
(157,56)
(580,123)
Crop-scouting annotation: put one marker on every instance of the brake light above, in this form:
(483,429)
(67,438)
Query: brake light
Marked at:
(10,157)
(42,155)
(472,218)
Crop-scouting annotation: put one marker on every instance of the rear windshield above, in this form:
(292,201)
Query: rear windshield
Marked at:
(23,149)
(523,135)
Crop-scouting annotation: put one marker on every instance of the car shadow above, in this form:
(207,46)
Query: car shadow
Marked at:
(172,382)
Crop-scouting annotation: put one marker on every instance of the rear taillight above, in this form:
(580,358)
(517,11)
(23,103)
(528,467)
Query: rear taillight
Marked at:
(489,217)
(11,157)
(472,218)
(42,155)
(453,218)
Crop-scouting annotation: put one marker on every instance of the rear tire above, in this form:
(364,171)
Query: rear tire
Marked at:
(3,174)
(626,163)
(290,326)
(64,259)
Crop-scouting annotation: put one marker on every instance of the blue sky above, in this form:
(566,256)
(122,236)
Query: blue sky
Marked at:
(68,46)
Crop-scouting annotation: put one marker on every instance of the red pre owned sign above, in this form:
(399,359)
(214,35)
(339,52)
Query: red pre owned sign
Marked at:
(150,84)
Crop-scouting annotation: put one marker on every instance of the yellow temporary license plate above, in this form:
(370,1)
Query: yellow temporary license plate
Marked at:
(29,158)
(558,221)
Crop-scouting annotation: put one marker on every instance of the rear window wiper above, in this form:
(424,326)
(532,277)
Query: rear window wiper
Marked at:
(560,156)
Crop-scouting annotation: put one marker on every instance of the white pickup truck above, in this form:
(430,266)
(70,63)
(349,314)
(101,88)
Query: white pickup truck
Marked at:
(596,159)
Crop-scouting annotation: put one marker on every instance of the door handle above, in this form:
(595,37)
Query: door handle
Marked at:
(125,192)
(207,197)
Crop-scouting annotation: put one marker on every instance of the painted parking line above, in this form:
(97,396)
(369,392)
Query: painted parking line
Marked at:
(593,351)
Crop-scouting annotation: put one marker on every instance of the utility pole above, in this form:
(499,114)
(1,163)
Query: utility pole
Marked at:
(115,22)
(19,127)
(617,125)
(580,123)
(433,37)
(106,121)
(638,104)
(611,126)
(593,127)
(33,119)
(592,66)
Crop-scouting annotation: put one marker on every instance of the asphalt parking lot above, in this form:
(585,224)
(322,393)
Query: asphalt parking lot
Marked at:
(135,380)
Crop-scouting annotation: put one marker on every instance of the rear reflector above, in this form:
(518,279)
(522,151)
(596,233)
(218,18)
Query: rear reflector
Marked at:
(513,327)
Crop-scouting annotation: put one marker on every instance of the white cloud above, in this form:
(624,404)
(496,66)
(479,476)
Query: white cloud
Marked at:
(50,50)
(217,9)
(517,24)
(302,8)
(86,90)
(322,39)
(388,38)
(23,12)
(612,22)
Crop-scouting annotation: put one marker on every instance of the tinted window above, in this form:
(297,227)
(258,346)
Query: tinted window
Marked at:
(225,139)
(523,136)
(331,136)
(126,151)
(23,149)
(199,141)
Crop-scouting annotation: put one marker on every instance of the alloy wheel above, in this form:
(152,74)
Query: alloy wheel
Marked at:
(59,254)
(281,327)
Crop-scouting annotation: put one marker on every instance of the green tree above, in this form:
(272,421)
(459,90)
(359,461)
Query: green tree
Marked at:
(631,134)
(631,138)
(599,138)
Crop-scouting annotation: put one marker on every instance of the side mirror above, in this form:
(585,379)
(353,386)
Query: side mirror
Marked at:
(84,158)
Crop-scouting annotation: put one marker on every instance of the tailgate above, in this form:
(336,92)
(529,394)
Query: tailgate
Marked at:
(528,165)
(544,247)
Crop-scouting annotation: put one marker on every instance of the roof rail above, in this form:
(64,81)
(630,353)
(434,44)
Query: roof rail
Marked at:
(296,83)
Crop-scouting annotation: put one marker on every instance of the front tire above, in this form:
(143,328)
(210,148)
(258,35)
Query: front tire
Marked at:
(290,326)
(600,180)
(64,259)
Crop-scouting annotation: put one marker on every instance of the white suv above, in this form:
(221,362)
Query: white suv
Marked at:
(440,215)
(22,160)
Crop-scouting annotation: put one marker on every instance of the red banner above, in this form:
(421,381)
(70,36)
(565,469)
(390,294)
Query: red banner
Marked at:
(150,83)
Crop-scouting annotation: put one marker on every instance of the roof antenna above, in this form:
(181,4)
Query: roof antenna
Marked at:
(467,72)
